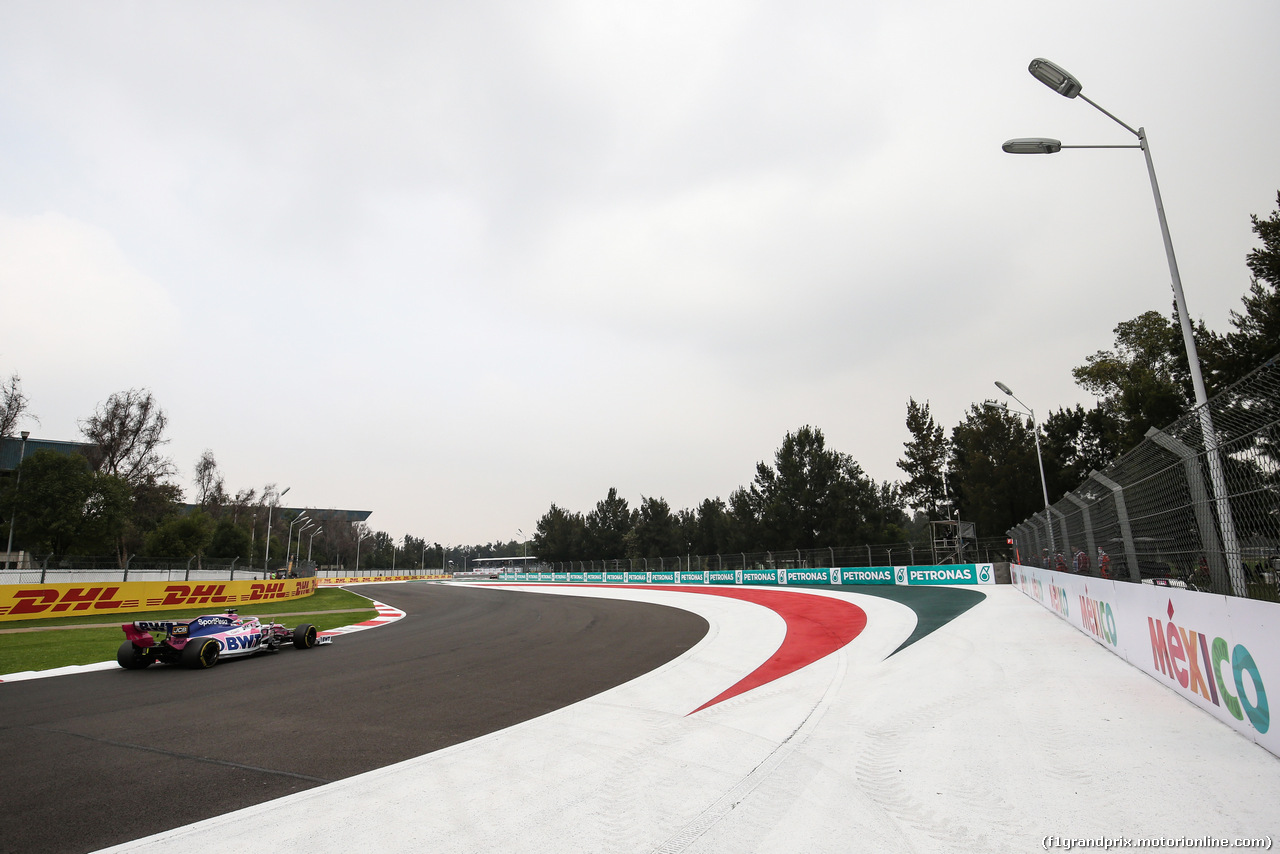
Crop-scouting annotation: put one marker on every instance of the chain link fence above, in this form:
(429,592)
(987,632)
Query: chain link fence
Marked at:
(1196,504)
(883,554)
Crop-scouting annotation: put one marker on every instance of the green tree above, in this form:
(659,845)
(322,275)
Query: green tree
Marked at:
(560,535)
(1144,382)
(181,536)
(993,473)
(743,518)
(108,512)
(50,500)
(656,531)
(1256,334)
(1076,442)
(607,527)
(711,527)
(230,541)
(924,460)
(152,503)
(811,496)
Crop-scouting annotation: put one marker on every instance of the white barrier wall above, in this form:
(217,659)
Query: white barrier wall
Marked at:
(1219,652)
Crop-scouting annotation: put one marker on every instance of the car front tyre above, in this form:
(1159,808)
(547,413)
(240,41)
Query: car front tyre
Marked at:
(304,636)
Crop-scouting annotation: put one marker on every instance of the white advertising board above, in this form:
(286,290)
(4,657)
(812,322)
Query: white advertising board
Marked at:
(1219,652)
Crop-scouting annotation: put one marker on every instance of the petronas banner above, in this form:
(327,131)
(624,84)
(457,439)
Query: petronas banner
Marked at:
(957,573)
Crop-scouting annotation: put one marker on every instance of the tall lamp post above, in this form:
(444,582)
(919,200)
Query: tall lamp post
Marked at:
(266,557)
(1044,486)
(1062,82)
(22,455)
(310,540)
(297,555)
(359,537)
(288,541)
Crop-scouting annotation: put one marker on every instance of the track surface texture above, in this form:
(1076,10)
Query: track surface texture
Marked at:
(101,758)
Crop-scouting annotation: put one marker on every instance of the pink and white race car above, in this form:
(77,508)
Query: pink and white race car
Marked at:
(200,641)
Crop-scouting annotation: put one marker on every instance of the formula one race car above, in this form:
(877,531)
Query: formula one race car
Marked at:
(200,641)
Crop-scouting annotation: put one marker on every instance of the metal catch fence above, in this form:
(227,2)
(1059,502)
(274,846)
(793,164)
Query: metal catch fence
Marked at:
(1195,504)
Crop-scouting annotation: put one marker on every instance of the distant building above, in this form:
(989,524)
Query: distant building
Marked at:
(11,450)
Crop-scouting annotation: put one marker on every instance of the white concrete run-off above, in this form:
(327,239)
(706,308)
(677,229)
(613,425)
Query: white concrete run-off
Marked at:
(1003,727)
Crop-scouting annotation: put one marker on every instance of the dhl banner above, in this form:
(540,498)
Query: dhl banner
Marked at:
(38,601)
(356,579)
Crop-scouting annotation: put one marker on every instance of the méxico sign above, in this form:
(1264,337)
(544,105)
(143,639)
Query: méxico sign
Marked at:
(1220,653)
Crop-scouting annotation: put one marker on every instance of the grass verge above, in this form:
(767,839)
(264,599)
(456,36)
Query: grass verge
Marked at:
(45,650)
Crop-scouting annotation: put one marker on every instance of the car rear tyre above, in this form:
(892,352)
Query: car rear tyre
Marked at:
(133,657)
(304,636)
(201,653)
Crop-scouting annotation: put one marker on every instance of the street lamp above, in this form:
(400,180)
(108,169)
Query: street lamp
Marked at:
(288,541)
(297,555)
(266,557)
(359,537)
(1062,82)
(22,455)
(310,540)
(1044,486)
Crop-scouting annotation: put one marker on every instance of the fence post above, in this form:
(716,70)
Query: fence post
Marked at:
(1122,513)
(1065,542)
(1223,576)
(1091,547)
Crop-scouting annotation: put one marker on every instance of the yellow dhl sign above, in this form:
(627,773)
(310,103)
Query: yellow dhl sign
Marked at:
(38,601)
(330,582)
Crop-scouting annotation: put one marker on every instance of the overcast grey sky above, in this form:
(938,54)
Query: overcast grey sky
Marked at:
(453,262)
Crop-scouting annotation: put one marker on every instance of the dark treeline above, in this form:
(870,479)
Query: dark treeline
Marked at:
(983,469)
(810,496)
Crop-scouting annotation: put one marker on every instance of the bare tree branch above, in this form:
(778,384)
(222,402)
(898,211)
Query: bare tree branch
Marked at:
(128,431)
(13,405)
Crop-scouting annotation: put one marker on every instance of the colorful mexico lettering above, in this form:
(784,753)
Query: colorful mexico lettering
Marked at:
(1060,602)
(1178,654)
(1097,617)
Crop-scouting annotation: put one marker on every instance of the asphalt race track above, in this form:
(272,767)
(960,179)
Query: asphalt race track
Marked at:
(101,758)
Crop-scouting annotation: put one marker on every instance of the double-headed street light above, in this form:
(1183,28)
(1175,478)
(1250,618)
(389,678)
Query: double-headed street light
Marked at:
(310,540)
(22,455)
(1044,486)
(266,557)
(297,555)
(288,541)
(1065,84)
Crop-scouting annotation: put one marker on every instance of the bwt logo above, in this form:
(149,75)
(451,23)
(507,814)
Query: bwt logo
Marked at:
(1178,654)
(245,642)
